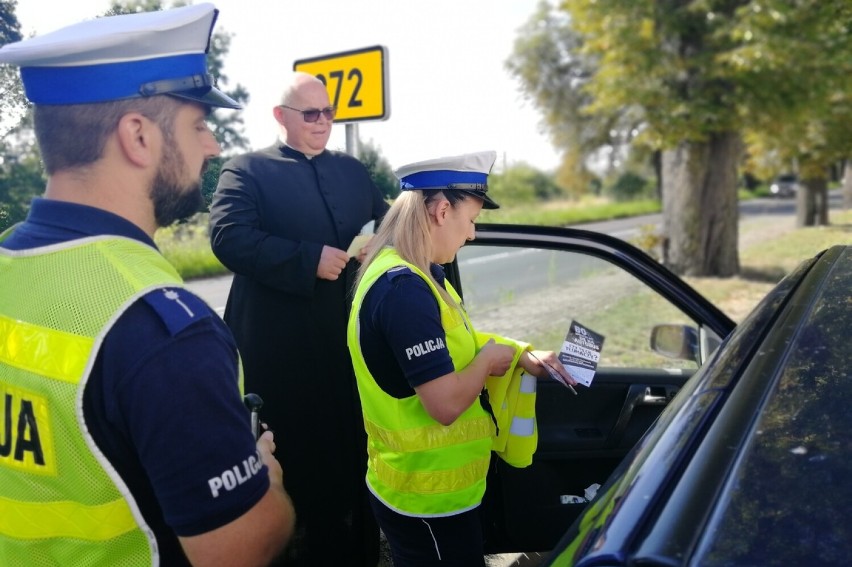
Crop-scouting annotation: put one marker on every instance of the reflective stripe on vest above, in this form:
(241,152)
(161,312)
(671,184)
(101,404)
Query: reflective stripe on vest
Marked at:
(47,352)
(430,436)
(523,418)
(430,482)
(36,520)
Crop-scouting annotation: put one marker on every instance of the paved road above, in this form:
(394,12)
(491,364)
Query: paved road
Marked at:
(215,290)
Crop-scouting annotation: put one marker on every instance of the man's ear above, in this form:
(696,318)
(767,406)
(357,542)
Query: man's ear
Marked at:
(139,138)
(278,113)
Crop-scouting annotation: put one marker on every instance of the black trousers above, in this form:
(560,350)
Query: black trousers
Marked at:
(450,541)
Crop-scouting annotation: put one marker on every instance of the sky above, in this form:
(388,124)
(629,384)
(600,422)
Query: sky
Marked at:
(449,91)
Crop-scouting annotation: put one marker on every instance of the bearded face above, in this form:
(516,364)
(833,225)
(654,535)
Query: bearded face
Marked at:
(175,193)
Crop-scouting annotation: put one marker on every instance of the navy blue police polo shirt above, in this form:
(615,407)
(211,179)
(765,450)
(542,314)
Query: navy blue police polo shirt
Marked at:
(402,339)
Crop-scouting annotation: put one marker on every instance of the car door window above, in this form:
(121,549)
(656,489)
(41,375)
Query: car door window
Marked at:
(533,294)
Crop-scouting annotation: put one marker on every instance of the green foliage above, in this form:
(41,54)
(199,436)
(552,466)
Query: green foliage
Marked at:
(186,246)
(522,184)
(12,100)
(553,72)
(10,28)
(211,179)
(380,170)
(560,214)
(628,187)
(227,124)
(797,59)
(21,174)
(662,57)
(650,240)
(20,181)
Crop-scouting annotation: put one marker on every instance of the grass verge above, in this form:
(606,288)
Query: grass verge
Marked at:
(769,250)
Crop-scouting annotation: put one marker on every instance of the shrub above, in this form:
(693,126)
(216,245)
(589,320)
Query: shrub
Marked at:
(628,187)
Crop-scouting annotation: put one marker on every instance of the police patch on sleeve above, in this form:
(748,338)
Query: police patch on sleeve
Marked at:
(177,307)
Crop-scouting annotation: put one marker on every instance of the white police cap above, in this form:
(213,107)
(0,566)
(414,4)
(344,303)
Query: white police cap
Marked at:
(467,173)
(119,57)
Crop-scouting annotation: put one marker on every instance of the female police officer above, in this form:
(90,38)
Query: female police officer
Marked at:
(421,368)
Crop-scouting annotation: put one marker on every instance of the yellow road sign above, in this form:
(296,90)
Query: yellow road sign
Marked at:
(357,82)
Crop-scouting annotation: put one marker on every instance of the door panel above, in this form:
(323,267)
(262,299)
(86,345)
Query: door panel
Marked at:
(581,440)
(604,420)
(532,292)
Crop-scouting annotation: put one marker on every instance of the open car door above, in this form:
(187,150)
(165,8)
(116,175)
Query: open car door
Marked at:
(530,283)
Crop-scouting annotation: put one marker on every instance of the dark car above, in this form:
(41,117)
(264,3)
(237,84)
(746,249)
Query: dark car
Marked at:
(751,463)
(784,186)
(699,442)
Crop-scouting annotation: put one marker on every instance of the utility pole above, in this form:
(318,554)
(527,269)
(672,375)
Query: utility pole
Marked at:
(352,142)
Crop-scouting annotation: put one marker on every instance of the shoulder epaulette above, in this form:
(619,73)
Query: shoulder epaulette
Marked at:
(177,307)
(398,271)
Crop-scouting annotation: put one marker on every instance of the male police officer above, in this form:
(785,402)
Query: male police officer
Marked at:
(123,439)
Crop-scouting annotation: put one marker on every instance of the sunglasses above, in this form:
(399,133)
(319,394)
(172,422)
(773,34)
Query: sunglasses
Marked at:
(313,114)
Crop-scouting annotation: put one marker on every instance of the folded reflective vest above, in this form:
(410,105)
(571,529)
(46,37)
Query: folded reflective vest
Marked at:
(512,398)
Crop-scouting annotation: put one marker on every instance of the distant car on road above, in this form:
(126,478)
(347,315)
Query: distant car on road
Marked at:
(785,186)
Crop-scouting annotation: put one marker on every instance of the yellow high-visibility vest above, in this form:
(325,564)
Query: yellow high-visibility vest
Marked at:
(61,502)
(417,466)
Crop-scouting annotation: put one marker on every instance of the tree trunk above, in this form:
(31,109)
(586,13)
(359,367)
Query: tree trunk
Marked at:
(700,209)
(812,202)
(847,185)
(657,160)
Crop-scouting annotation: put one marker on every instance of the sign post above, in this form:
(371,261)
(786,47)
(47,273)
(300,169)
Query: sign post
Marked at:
(357,83)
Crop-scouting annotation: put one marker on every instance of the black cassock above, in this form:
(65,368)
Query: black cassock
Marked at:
(272,212)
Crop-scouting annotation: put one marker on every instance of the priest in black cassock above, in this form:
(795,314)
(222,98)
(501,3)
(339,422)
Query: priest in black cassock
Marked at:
(281,220)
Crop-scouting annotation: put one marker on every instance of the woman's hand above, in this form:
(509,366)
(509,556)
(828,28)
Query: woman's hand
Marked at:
(498,357)
(542,363)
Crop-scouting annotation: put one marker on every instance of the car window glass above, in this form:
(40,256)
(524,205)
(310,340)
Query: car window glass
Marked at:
(533,294)
(789,497)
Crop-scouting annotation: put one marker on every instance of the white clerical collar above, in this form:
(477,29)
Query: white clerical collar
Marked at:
(308,156)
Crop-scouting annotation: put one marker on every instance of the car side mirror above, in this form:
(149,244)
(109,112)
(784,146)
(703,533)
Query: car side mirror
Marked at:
(675,341)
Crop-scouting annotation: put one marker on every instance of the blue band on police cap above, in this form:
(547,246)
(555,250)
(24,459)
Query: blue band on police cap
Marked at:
(441,178)
(107,81)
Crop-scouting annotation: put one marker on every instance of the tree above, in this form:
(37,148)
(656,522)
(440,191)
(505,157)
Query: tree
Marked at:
(380,170)
(21,178)
(695,75)
(798,57)
(21,174)
(549,62)
(13,103)
(661,57)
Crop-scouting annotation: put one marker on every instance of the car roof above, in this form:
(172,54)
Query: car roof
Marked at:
(740,464)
